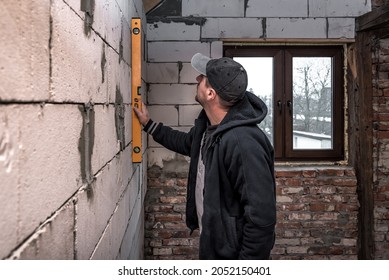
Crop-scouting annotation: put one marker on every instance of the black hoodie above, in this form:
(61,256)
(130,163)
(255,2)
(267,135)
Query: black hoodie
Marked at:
(239,185)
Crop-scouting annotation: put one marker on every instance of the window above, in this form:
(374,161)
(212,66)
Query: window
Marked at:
(303,89)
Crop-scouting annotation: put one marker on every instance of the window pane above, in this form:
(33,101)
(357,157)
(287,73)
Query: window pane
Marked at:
(312,103)
(260,82)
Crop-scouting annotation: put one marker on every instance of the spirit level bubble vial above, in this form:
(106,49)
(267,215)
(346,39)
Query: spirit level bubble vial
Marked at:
(136,83)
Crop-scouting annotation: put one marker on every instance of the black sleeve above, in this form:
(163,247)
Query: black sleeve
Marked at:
(172,139)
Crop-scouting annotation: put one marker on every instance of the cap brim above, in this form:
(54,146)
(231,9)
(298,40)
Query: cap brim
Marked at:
(199,63)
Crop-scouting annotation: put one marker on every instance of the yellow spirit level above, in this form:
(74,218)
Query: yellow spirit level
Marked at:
(136,81)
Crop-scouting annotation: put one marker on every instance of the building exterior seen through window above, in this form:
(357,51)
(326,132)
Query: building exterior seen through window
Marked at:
(302,88)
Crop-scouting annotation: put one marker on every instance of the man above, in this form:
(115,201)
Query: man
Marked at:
(231,185)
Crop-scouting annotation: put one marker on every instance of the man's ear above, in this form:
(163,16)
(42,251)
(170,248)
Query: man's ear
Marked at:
(211,94)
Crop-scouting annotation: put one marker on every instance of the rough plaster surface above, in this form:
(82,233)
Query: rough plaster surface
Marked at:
(24,50)
(65,130)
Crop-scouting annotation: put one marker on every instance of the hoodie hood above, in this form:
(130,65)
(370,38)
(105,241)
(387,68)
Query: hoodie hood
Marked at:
(251,110)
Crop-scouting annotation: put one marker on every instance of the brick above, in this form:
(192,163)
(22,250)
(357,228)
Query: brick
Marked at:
(162,251)
(155,243)
(309,173)
(159,208)
(293,190)
(177,226)
(168,217)
(317,207)
(333,172)
(284,241)
(295,207)
(287,172)
(325,216)
(349,242)
(185,250)
(299,216)
(284,199)
(177,242)
(297,250)
(323,190)
(173,199)
(293,182)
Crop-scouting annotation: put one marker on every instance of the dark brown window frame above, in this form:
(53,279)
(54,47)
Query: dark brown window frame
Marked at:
(282,121)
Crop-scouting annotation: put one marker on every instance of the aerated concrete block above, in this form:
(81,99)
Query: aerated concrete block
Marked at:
(296,28)
(127,208)
(232,28)
(133,244)
(206,8)
(162,73)
(173,31)
(336,8)
(96,204)
(118,78)
(53,240)
(341,28)
(77,59)
(9,174)
(49,161)
(172,94)
(175,51)
(166,114)
(100,17)
(188,74)
(24,50)
(277,8)
(106,130)
(188,114)
(216,49)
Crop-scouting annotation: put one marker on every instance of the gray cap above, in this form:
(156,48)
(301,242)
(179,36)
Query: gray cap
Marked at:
(226,76)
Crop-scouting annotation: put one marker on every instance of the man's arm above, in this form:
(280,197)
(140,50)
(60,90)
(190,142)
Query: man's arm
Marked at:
(172,139)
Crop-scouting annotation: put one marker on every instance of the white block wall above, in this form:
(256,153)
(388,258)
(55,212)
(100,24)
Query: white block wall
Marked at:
(204,25)
(68,187)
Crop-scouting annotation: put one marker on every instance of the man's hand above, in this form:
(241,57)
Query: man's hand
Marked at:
(142,114)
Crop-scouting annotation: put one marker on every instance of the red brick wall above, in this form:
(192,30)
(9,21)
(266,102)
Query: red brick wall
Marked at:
(381,148)
(317,215)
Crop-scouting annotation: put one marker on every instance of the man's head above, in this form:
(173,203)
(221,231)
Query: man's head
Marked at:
(226,76)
